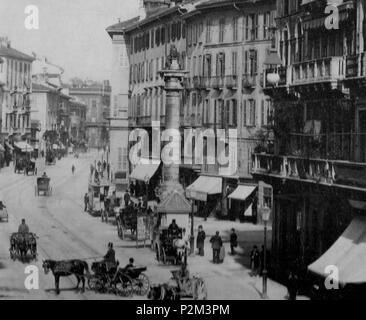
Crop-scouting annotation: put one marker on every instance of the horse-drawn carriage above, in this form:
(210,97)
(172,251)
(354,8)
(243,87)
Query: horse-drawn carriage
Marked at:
(179,286)
(95,189)
(3,212)
(43,185)
(50,157)
(121,281)
(22,245)
(126,220)
(31,167)
(25,165)
(170,246)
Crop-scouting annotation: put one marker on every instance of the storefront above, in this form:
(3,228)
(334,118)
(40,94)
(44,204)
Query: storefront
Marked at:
(206,191)
(242,203)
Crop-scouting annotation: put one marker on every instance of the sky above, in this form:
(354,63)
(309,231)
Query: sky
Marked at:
(71,33)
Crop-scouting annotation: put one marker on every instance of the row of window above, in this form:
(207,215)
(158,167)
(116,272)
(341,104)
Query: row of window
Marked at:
(251,29)
(335,43)
(218,111)
(158,36)
(18,73)
(17,121)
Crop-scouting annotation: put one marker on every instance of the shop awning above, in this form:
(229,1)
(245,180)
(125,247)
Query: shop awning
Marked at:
(242,192)
(23,146)
(272,58)
(204,186)
(320,22)
(348,254)
(231,94)
(144,171)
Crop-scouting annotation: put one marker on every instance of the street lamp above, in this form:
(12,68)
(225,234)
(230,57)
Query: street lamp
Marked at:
(265,204)
(192,227)
(265,211)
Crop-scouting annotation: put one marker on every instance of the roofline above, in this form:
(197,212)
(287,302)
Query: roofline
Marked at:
(231,3)
(153,17)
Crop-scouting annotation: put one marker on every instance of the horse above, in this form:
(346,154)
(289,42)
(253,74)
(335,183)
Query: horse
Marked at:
(65,268)
(19,245)
(163,292)
(182,246)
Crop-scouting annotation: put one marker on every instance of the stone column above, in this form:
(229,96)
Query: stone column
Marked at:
(173,77)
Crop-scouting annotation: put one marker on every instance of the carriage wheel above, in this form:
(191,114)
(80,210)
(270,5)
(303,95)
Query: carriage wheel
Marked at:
(94,283)
(124,286)
(200,290)
(141,285)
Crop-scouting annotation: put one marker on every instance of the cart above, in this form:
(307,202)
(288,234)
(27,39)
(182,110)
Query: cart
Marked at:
(169,247)
(43,185)
(94,191)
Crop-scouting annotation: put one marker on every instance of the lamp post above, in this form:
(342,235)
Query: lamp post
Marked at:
(265,211)
(192,228)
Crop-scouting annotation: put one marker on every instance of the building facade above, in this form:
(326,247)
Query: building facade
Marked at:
(318,167)
(222,47)
(15,73)
(96,96)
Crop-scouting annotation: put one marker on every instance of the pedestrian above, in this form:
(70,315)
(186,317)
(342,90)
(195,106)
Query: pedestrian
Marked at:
(108,170)
(254,261)
(292,285)
(216,243)
(73,169)
(126,198)
(86,202)
(201,236)
(233,241)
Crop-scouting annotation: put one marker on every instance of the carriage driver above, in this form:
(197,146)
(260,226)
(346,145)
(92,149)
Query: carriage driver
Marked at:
(23,228)
(110,257)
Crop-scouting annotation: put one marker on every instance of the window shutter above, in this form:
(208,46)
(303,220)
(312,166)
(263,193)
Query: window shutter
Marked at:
(223,65)
(255,63)
(217,64)
(244,113)
(255,113)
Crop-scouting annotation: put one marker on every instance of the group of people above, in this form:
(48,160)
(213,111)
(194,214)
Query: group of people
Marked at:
(110,259)
(218,250)
(257,261)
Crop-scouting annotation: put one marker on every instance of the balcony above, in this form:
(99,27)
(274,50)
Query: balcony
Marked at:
(217,82)
(327,172)
(231,81)
(320,70)
(356,66)
(197,82)
(249,81)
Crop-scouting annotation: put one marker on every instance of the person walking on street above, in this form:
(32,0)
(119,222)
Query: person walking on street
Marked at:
(86,202)
(23,228)
(216,243)
(73,169)
(254,261)
(201,236)
(233,241)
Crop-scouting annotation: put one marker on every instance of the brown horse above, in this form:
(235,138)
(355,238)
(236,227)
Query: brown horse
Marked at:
(65,268)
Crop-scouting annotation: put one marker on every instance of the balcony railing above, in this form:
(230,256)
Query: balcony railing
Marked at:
(325,69)
(231,81)
(356,65)
(249,81)
(330,172)
(217,82)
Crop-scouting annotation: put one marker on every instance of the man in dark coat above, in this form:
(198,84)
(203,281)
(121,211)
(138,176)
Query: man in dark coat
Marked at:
(110,257)
(254,261)
(292,285)
(126,198)
(201,236)
(233,241)
(86,202)
(216,243)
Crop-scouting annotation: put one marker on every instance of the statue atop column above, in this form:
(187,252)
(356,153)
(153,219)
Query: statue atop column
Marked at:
(172,59)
